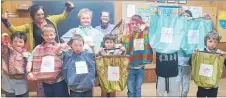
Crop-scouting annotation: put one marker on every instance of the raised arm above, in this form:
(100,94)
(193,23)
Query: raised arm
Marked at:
(12,28)
(57,18)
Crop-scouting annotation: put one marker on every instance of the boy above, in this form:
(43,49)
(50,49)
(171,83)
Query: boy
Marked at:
(90,34)
(109,45)
(140,53)
(44,65)
(184,75)
(79,68)
(212,39)
(13,65)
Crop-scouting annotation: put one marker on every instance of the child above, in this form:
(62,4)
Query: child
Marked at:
(109,45)
(212,39)
(13,65)
(90,34)
(44,65)
(140,53)
(79,68)
(184,75)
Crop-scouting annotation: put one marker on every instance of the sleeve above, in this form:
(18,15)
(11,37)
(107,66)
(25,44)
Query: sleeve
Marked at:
(30,58)
(58,18)
(67,36)
(4,50)
(22,28)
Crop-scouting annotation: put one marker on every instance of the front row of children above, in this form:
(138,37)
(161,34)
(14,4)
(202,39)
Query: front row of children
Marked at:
(75,70)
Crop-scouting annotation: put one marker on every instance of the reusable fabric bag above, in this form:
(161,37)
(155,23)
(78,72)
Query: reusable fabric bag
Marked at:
(207,69)
(112,72)
(166,33)
(196,32)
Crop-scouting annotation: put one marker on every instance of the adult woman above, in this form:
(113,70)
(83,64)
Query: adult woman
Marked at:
(39,19)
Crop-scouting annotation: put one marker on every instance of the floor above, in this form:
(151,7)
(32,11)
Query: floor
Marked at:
(148,89)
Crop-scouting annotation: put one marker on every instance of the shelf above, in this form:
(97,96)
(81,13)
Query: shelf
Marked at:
(22,7)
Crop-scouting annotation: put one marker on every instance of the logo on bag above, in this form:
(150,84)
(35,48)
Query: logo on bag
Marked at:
(167,57)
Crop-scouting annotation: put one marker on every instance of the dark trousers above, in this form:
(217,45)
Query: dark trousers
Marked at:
(88,93)
(202,92)
(58,89)
(13,94)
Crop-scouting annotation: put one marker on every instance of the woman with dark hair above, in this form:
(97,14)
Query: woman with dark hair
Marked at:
(39,19)
(34,28)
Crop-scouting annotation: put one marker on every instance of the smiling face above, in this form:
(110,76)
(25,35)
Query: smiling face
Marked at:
(18,44)
(39,16)
(104,17)
(85,19)
(48,36)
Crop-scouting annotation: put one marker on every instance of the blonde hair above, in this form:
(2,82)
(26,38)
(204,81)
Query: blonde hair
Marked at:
(48,28)
(85,11)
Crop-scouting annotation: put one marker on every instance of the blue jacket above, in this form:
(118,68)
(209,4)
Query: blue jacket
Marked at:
(79,82)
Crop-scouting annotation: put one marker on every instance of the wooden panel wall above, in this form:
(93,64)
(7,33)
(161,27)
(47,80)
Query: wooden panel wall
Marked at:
(23,18)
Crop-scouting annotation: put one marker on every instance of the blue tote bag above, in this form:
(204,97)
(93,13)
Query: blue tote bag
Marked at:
(195,34)
(166,33)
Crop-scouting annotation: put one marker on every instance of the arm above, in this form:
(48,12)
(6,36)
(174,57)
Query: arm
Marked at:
(57,18)
(30,75)
(67,36)
(12,28)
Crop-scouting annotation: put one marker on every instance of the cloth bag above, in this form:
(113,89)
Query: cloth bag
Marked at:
(207,69)
(112,72)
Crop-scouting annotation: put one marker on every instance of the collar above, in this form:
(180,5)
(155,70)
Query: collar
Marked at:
(212,51)
(81,27)
(104,26)
(45,43)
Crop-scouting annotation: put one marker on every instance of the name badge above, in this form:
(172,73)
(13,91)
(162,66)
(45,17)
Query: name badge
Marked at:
(47,64)
(206,70)
(138,44)
(81,67)
(113,73)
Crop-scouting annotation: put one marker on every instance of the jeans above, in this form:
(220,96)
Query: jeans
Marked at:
(135,80)
(58,89)
(88,93)
(184,77)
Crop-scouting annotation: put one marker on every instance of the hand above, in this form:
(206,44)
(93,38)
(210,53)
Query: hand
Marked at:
(5,15)
(75,32)
(224,54)
(101,50)
(123,49)
(147,25)
(206,15)
(4,39)
(5,35)
(26,54)
(196,51)
(69,5)
(91,45)
(31,77)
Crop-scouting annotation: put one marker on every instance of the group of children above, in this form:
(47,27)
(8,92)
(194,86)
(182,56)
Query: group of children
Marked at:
(71,66)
